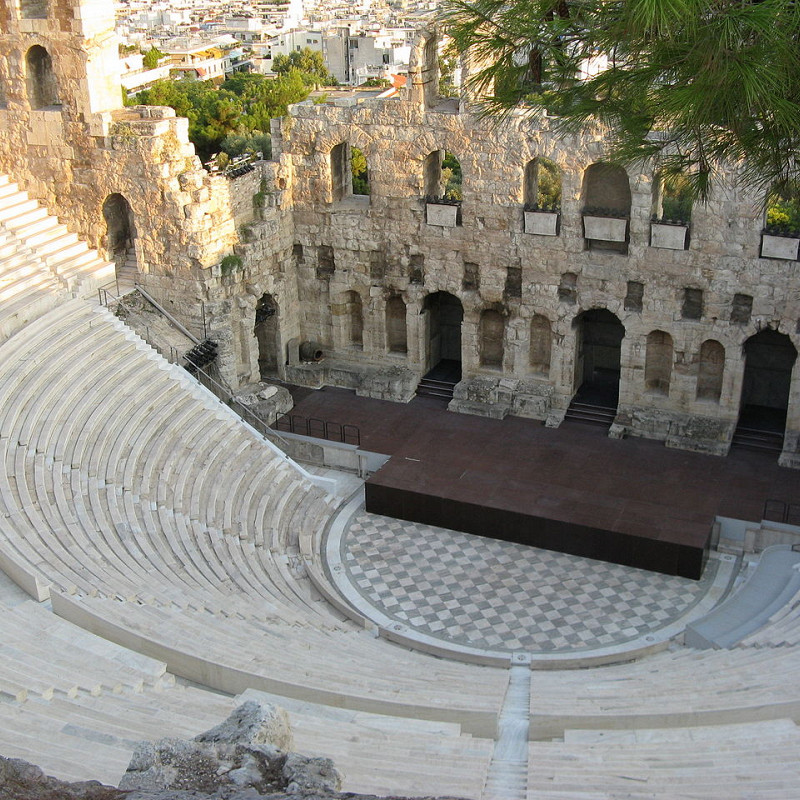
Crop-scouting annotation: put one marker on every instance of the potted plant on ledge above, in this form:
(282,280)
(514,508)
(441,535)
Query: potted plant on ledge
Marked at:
(605,224)
(542,220)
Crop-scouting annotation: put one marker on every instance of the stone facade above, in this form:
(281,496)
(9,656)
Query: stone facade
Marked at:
(366,276)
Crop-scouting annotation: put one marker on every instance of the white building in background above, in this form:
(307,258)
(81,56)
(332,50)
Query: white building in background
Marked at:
(355,57)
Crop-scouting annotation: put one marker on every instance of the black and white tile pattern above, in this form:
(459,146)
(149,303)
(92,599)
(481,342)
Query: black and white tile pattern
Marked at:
(497,595)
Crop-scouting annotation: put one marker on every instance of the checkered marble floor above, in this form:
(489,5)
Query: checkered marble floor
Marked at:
(503,596)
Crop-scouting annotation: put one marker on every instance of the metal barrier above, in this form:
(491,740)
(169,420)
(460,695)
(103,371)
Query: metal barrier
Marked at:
(779,511)
(319,429)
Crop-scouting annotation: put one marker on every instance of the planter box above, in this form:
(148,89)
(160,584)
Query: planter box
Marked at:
(779,247)
(541,223)
(669,237)
(605,229)
(443,215)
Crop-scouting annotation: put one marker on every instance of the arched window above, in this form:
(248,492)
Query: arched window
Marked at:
(341,173)
(266,333)
(396,335)
(355,319)
(540,346)
(359,172)
(658,362)
(672,199)
(40,78)
(710,370)
(443,176)
(542,189)
(33,9)
(492,331)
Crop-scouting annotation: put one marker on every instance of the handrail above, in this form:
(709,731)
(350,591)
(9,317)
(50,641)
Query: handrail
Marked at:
(319,429)
(166,313)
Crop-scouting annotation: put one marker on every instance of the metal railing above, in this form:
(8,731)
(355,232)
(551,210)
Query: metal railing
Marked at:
(319,429)
(779,511)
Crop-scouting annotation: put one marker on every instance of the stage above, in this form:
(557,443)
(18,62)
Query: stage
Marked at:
(571,489)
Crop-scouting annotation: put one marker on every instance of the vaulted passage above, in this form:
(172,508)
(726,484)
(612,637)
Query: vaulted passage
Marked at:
(120,234)
(442,316)
(769,360)
(599,334)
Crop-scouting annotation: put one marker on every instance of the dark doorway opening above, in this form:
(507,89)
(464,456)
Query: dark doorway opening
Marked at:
(266,332)
(120,234)
(444,314)
(769,360)
(597,362)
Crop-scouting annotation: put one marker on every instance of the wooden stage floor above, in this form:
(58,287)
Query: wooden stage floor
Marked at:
(571,489)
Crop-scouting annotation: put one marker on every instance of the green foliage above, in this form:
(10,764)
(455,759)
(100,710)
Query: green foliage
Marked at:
(783,209)
(676,199)
(377,83)
(447,68)
(230,264)
(127,49)
(307,61)
(242,107)
(451,177)
(548,184)
(358,165)
(151,58)
(688,83)
(260,197)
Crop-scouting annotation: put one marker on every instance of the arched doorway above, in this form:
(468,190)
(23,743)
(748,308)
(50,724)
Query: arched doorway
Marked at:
(443,335)
(266,333)
(599,335)
(769,360)
(120,235)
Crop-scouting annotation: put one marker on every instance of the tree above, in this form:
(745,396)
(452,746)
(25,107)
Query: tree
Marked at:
(689,83)
(307,61)
(151,58)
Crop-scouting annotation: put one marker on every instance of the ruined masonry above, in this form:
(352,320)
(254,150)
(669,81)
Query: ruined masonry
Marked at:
(682,326)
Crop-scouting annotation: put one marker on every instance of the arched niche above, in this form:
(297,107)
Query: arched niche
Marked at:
(606,200)
(41,83)
(540,345)
(354,315)
(710,370)
(491,333)
(33,9)
(120,232)
(396,328)
(658,362)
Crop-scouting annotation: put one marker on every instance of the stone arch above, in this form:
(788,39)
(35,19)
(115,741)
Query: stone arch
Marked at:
(41,83)
(491,336)
(120,232)
(396,328)
(354,319)
(541,344)
(443,314)
(769,362)
(266,333)
(542,184)
(598,341)
(33,9)
(710,369)
(658,362)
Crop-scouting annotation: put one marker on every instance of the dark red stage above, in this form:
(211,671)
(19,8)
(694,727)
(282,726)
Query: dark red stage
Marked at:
(571,489)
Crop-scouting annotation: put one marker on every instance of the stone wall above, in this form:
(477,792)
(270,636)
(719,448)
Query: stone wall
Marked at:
(385,245)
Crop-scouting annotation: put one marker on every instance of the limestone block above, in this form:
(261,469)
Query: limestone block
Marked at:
(784,247)
(541,223)
(445,216)
(668,237)
(604,229)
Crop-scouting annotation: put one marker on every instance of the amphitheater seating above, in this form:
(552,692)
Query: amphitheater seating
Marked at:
(171,541)
(728,761)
